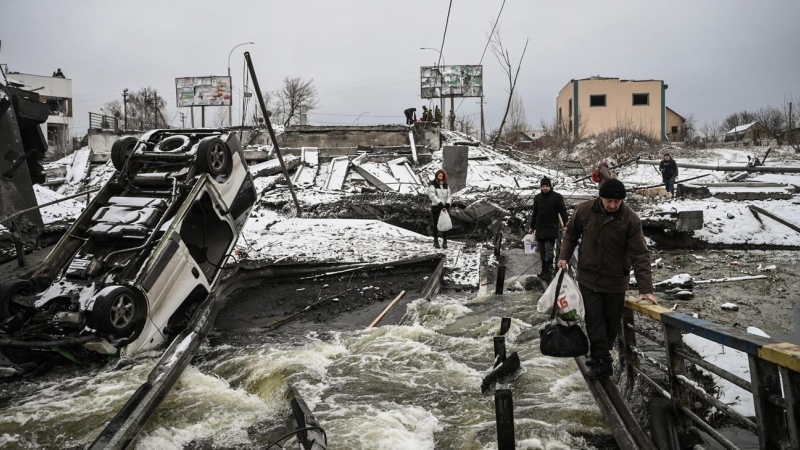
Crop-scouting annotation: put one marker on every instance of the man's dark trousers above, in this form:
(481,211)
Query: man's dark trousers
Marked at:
(603,315)
(546,255)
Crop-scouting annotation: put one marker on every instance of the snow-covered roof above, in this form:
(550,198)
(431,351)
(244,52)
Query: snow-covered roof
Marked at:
(742,128)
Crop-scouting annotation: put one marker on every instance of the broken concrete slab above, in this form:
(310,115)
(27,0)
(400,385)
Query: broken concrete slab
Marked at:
(79,169)
(273,166)
(455,160)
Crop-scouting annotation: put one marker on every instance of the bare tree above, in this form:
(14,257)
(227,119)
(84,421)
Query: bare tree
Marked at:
(294,95)
(773,120)
(710,131)
(466,125)
(145,109)
(504,58)
(517,122)
(738,118)
(221,118)
(689,128)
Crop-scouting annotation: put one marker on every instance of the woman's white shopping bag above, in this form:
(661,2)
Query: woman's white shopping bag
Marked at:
(570,300)
(530,244)
(445,224)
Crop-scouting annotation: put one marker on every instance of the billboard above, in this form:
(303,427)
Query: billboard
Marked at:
(203,91)
(455,81)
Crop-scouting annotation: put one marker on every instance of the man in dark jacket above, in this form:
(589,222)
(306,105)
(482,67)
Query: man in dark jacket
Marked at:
(547,207)
(411,115)
(669,172)
(611,242)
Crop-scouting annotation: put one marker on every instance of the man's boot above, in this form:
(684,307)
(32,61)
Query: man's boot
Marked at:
(436,242)
(444,241)
(545,273)
(603,367)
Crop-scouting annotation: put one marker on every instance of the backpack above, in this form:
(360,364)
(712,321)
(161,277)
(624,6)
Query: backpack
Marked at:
(596,175)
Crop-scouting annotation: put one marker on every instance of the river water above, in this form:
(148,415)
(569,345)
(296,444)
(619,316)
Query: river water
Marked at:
(414,386)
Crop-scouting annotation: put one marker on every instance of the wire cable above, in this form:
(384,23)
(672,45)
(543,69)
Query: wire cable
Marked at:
(496,21)
(445,32)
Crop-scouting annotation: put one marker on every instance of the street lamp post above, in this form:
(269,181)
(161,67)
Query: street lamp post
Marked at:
(355,122)
(441,76)
(125,105)
(230,105)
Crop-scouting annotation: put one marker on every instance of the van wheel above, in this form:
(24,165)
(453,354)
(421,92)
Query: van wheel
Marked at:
(177,143)
(117,311)
(212,156)
(9,290)
(121,150)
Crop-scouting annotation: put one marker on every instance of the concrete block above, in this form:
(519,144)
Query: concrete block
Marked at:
(455,163)
(690,220)
(690,191)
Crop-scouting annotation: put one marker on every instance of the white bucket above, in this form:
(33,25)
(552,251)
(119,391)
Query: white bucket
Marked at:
(531,247)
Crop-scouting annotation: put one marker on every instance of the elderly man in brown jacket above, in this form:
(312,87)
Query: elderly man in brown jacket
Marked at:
(611,243)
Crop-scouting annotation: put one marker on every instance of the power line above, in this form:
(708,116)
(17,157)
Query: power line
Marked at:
(496,21)
(445,32)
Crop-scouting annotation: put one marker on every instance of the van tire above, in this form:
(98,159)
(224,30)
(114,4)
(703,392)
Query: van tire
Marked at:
(121,150)
(213,156)
(117,311)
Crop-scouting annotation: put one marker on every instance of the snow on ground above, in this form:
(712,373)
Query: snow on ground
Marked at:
(65,211)
(273,239)
(735,362)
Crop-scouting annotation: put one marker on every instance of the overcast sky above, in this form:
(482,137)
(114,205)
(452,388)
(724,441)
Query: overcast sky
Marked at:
(717,56)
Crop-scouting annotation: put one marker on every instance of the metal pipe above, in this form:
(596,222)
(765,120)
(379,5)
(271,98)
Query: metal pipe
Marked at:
(733,415)
(33,208)
(647,335)
(744,384)
(771,169)
(708,429)
(71,342)
(271,131)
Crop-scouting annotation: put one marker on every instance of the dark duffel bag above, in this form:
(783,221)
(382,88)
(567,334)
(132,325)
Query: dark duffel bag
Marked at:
(563,340)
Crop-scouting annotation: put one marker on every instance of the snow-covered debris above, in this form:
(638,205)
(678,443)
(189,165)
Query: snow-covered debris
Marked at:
(677,280)
(729,306)
(79,168)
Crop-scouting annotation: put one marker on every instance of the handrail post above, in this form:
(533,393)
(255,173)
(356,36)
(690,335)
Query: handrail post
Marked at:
(791,392)
(673,340)
(770,418)
(626,345)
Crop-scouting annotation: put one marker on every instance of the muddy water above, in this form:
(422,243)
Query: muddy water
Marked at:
(414,386)
(771,304)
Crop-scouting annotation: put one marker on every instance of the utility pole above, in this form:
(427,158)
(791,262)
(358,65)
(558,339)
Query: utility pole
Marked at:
(155,109)
(183,120)
(125,105)
(483,127)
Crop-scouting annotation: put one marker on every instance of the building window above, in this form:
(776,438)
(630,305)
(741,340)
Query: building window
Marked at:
(641,99)
(597,100)
(674,130)
(570,107)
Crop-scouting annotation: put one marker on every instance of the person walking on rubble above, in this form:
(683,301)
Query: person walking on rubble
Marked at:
(440,196)
(548,206)
(603,171)
(411,115)
(611,242)
(669,172)
(437,115)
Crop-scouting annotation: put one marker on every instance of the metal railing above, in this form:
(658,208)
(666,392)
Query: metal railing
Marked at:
(102,122)
(774,374)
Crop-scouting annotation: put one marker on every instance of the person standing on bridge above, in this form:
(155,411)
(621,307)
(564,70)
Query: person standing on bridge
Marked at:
(440,196)
(611,243)
(669,172)
(548,205)
(411,115)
